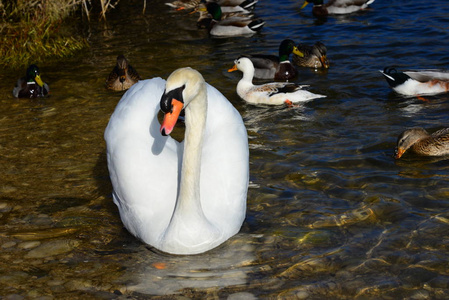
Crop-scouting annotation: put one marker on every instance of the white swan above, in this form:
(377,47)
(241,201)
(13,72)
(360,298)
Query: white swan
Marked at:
(181,198)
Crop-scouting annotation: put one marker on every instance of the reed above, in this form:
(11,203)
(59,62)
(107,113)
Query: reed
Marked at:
(32,30)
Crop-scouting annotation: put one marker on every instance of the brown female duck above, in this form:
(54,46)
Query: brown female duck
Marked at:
(419,141)
(123,76)
(312,56)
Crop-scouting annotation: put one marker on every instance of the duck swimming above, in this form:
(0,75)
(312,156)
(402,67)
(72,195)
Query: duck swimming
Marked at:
(274,93)
(416,83)
(419,141)
(123,76)
(311,56)
(232,26)
(31,85)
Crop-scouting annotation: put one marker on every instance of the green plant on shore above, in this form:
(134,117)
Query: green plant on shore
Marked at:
(32,30)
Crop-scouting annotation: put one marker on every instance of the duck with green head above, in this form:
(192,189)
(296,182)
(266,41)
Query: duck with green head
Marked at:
(233,26)
(276,67)
(31,85)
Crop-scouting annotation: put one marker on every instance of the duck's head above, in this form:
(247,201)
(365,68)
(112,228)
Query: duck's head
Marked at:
(182,86)
(408,138)
(243,64)
(33,75)
(215,10)
(122,67)
(286,48)
(393,77)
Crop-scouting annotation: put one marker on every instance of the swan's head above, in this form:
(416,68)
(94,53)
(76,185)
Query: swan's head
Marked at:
(243,64)
(182,86)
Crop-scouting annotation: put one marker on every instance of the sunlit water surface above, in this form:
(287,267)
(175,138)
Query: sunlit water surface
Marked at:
(330,214)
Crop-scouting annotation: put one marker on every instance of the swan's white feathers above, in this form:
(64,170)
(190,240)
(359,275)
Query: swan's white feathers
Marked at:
(145,166)
(133,165)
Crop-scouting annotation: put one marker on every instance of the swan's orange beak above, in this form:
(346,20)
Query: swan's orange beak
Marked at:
(170,118)
(234,68)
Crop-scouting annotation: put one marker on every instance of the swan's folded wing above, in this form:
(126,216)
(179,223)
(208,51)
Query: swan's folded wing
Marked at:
(143,165)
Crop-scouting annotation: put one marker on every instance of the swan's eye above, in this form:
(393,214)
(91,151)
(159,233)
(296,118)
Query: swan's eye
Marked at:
(168,97)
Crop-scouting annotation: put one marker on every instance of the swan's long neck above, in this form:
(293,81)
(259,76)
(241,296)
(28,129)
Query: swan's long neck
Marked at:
(189,192)
(189,230)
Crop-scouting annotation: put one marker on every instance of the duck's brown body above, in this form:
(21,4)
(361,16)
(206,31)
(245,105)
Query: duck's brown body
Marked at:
(419,141)
(313,56)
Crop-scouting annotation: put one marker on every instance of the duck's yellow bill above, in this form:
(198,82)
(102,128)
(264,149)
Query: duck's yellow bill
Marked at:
(39,80)
(297,52)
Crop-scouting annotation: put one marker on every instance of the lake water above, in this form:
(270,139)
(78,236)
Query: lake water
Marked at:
(331,214)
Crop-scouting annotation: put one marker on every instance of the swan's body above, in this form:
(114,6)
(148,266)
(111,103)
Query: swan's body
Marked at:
(419,141)
(182,198)
(420,82)
(274,93)
(337,7)
(312,56)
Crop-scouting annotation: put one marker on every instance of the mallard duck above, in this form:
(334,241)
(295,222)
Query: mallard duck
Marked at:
(205,18)
(273,93)
(415,83)
(31,85)
(123,76)
(232,26)
(312,56)
(419,141)
(181,198)
(275,67)
(336,7)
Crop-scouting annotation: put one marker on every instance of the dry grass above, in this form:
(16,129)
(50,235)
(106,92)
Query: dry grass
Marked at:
(30,30)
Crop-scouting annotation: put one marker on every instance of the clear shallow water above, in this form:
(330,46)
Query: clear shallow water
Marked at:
(330,213)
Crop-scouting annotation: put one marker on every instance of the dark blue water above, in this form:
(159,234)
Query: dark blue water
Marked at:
(331,214)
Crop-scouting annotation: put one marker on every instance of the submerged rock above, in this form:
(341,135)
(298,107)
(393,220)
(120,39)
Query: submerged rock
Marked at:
(52,248)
